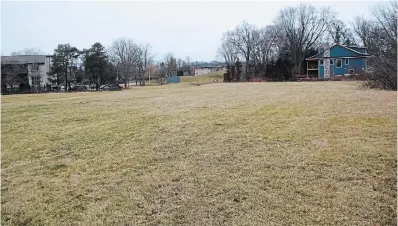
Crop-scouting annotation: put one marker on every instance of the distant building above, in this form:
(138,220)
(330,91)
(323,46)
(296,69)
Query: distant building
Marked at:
(21,70)
(207,69)
(186,70)
(337,60)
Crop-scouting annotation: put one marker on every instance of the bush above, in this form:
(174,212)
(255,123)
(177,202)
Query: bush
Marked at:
(381,78)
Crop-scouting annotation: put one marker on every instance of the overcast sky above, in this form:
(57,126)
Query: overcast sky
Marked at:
(184,28)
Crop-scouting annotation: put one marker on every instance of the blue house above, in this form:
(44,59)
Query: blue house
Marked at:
(337,60)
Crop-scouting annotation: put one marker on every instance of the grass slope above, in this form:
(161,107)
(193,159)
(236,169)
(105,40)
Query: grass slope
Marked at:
(319,153)
(208,78)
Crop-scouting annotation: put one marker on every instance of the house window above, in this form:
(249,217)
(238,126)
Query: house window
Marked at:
(339,62)
(331,62)
(321,62)
(347,61)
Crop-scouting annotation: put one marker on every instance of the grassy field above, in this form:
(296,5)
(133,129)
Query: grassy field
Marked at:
(208,78)
(318,153)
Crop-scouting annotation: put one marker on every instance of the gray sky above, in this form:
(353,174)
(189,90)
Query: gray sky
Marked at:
(184,28)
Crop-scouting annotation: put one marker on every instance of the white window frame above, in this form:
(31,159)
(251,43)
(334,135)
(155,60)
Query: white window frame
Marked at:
(341,64)
(347,61)
(320,62)
(331,61)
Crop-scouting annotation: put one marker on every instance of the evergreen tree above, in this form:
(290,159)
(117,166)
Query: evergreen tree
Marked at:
(62,62)
(111,74)
(95,64)
(227,75)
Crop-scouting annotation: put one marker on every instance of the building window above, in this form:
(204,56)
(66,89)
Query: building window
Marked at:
(339,63)
(347,61)
(321,62)
(331,62)
(34,67)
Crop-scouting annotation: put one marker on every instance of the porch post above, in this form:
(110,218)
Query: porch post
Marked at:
(307,68)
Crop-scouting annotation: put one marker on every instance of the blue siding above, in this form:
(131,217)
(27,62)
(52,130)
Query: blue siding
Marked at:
(173,79)
(321,71)
(354,63)
(338,51)
(359,49)
(340,70)
(357,63)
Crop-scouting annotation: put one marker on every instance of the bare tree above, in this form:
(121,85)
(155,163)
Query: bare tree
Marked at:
(123,55)
(267,48)
(152,72)
(143,61)
(339,33)
(245,38)
(380,37)
(179,64)
(188,63)
(386,19)
(162,73)
(363,29)
(169,62)
(227,51)
(303,26)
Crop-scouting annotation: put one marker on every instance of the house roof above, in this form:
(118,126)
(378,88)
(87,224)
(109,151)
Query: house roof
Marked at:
(359,55)
(204,65)
(208,66)
(24,59)
(359,47)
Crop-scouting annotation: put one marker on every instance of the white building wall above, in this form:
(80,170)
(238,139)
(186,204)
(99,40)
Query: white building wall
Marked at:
(46,69)
(203,71)
(42,73)
(43,70)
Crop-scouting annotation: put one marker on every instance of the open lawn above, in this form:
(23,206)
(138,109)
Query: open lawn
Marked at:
(208,78)
(316,153)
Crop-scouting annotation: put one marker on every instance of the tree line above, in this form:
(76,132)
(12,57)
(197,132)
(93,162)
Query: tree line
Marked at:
(278,51)
(123,62)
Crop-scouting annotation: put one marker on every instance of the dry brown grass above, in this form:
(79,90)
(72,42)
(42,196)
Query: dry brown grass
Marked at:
(319,153)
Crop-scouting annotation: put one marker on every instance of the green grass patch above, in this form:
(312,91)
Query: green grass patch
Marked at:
(208,78)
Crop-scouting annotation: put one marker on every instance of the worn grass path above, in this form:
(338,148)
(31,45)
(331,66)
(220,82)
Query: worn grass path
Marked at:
(319,153)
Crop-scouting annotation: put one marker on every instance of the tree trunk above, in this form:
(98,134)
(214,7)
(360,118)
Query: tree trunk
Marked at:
(247,68)
(97,84)
(143,79)
(66,79)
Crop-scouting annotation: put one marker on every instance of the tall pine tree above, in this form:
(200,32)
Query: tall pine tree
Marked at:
(95,64)
(63,60)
